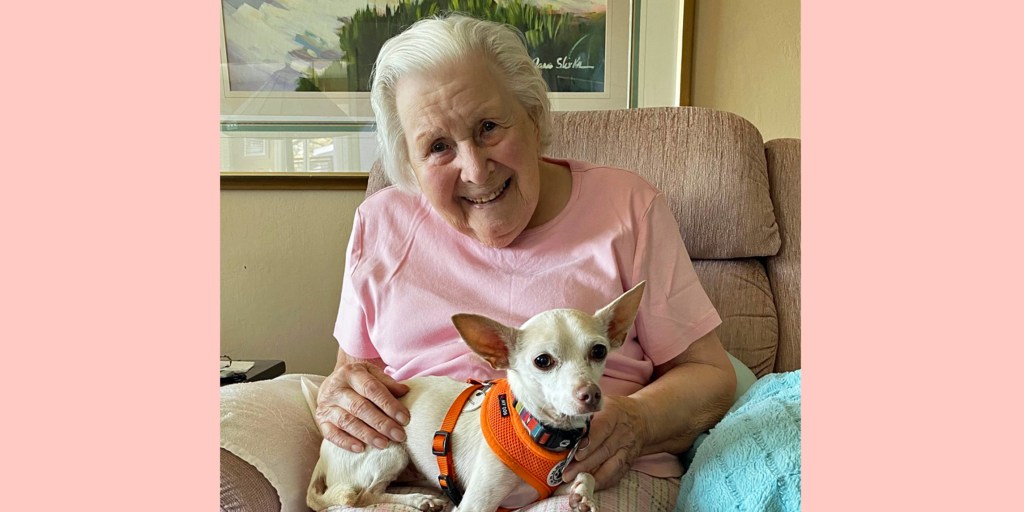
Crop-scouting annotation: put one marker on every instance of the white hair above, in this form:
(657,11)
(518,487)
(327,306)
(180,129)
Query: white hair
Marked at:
(431,42)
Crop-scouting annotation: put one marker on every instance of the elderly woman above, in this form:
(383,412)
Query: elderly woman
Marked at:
(480,221)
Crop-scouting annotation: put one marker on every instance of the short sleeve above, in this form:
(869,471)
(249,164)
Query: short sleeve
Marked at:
(352,326)
(675,310)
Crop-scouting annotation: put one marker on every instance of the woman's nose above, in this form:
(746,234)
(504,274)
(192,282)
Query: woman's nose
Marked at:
(475,167)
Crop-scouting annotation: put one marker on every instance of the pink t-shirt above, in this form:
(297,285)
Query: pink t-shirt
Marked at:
(407,272)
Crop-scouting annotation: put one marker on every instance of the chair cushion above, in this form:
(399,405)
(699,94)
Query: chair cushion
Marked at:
(710,164)
(740,291)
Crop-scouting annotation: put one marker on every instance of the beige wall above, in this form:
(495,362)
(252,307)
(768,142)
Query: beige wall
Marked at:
(282,252)
(747,60)
(282,257)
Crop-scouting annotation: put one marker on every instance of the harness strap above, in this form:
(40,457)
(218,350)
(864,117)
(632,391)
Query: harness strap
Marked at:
(442,449)
(510,442)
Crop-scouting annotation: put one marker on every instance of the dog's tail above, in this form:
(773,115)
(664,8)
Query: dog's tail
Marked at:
(338,495)
(319,497)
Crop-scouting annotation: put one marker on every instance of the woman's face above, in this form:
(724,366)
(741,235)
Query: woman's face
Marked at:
(474,150)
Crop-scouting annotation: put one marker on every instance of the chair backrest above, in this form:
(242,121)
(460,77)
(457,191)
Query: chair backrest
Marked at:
(712,168)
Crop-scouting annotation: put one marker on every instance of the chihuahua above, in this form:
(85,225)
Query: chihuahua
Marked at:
(553,363)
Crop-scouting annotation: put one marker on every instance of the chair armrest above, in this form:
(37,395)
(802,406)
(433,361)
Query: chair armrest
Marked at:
(783,156)
(243,488)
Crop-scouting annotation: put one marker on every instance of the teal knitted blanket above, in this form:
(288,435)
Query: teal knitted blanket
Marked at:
(750,461)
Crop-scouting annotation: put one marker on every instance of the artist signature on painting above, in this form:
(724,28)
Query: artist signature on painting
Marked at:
(562,63)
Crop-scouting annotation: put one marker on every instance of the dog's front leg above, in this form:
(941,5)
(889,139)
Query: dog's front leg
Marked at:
(487,488)
(581,493)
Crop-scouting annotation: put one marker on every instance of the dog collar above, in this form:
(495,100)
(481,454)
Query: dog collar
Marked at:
(554,439)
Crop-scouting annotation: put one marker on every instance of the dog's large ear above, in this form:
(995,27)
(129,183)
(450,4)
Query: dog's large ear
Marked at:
(619,315)
(489,339)
(309,392)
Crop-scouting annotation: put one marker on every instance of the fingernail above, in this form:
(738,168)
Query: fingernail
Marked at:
(402,418)
(398,435)
(356,447)
(380,442)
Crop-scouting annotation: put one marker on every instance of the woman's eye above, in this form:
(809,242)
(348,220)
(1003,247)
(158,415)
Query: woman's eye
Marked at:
(543,361)
(438,147)
(599,352)
(489,126)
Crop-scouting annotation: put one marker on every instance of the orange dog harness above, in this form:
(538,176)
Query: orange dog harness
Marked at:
(538,454)
(523,443)
(442,448)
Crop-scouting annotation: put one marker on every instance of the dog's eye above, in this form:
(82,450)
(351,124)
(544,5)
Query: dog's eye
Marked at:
(543,361)
(598,352)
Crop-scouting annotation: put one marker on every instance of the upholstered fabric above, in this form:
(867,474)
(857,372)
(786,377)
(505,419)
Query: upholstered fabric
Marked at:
(740,291)
(243,488)
(710,164)
(377,180)
(784,270)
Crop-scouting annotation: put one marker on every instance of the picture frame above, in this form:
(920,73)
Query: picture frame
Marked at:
(254,110)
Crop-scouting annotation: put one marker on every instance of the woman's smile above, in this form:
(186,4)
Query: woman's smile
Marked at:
(483,199)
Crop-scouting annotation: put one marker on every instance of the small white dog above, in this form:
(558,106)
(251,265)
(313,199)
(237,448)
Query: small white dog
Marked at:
(553,364)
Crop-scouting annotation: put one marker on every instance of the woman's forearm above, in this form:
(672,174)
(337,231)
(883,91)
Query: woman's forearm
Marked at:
(692,393)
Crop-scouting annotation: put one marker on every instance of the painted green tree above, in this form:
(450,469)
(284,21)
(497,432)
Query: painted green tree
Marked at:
(568,47)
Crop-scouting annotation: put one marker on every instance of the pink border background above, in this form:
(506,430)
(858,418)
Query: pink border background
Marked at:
(110,214)
(912,130)
(912,222)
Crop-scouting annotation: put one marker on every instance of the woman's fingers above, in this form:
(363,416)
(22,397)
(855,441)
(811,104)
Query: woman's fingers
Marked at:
(613,469)
(357,406)
(362,418)
(611,447)
(385,398)
(594,446)
(332,433)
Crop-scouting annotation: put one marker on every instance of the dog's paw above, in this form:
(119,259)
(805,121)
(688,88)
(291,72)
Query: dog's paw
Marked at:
(581,494)
(430,503)
(580,503)
(584,504)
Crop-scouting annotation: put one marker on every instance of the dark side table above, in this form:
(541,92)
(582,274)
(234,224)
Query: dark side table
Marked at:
(261,370)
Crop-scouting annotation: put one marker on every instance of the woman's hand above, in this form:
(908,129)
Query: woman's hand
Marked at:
(614,442)
(357,406)
(689,395)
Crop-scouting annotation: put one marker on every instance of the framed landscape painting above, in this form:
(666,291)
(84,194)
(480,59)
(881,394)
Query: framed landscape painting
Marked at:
(310,60)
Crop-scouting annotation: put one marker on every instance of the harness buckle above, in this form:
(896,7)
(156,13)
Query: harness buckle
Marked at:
(440,446)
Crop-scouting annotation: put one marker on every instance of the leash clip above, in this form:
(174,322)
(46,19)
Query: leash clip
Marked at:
(450,489)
